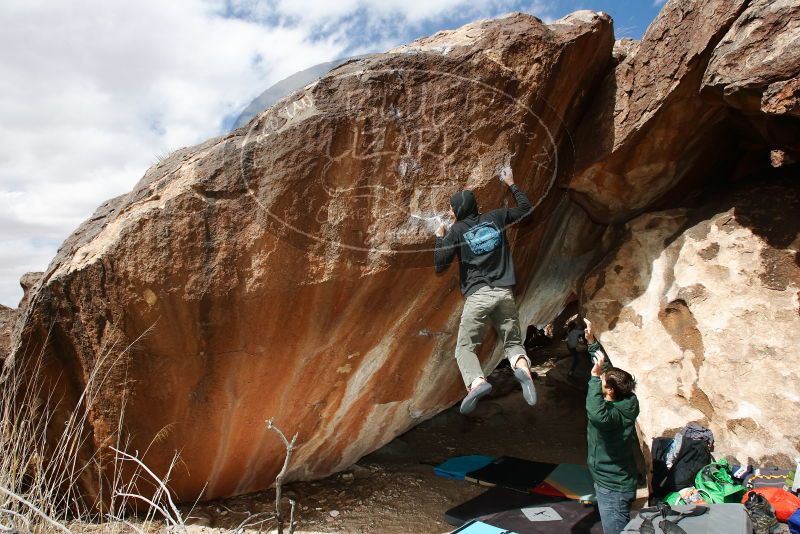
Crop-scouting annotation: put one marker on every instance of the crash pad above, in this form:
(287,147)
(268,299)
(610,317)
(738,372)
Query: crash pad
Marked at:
(720,519)
(457,467)
(565,516)
(512,473)
(521,513)
(479,527)
(573,481)
(494,500)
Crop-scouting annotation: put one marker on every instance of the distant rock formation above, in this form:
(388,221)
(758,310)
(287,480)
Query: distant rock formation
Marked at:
(8,316)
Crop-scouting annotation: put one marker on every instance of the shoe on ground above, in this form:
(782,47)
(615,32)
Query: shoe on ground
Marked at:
(761,514)
(474,395)
(528,389)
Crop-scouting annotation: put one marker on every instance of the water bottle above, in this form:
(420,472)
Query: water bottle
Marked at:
(796,482)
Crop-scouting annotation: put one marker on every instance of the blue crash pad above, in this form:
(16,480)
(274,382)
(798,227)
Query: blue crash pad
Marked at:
(457,467)
(477,527)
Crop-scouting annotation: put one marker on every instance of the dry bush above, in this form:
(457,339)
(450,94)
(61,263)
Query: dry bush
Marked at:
(40,481)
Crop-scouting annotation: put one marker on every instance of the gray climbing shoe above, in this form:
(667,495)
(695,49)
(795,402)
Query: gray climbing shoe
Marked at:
(647,527)
(474,395)
(670,527)
(528,389)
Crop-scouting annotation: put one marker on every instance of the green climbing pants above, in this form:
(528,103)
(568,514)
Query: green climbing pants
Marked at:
(488,304)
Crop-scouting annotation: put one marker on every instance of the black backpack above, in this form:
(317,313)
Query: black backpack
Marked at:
(692,457)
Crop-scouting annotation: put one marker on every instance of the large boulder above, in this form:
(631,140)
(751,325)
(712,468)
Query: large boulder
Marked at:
(703,307)
(755,69)
(286,270)
(648,130)
(760,49)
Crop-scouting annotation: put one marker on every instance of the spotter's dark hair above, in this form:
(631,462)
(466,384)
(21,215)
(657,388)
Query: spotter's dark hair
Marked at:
(622,383)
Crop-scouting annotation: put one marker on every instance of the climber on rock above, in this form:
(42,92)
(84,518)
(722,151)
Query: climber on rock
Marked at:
(487,279)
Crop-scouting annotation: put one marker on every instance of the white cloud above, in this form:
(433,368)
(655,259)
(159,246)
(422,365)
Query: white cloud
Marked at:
(28,255)
(93,90)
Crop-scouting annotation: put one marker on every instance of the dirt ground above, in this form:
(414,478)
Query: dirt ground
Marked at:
(394,490)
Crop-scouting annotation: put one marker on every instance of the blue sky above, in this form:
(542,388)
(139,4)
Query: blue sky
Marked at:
(631,17)
(94,91)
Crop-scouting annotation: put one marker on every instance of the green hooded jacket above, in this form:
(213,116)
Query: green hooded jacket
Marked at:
(611,435)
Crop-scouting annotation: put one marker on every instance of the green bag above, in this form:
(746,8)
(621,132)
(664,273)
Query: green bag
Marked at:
(686,496)
(716,481)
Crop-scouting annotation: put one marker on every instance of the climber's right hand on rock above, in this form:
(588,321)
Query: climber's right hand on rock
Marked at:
(441,230)
(588,333)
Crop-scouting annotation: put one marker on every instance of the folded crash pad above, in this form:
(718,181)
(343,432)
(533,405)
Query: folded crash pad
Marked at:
(513,473)
(494,500)
(720,519)
(456,468)
(565,516)
(570,480)
(523,513)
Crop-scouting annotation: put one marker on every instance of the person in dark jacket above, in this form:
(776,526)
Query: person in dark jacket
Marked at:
(574,335)
(487,279)
(611,409)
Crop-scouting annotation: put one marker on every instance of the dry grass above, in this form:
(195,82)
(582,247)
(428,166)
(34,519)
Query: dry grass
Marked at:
(40,479)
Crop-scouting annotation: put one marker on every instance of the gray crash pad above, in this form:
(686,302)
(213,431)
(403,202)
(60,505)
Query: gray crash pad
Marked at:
(720,519)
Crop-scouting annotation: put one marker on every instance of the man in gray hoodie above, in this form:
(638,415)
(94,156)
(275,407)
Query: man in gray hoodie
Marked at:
(487,279)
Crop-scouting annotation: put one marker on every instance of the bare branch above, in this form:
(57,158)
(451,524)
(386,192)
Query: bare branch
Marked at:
(162,485)
(153,505)
(199,496)
(291,516)
(247,522)
(279,478)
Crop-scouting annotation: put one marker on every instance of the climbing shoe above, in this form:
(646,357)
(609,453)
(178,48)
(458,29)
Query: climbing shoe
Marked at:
(761,513)
(670,527)
(474,395)
(647,527)
(528,389)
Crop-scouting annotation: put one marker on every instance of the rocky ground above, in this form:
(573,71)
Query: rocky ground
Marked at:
(394,490)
